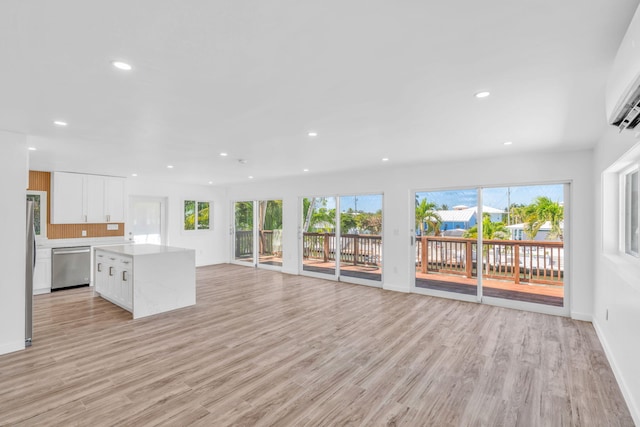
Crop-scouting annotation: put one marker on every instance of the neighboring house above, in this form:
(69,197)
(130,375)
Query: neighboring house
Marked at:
(463,217)
(518,233)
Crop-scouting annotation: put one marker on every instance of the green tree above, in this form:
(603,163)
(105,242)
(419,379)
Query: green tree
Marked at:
(426,214)
(517,213)
(544,209)
(244,216)
(490,230)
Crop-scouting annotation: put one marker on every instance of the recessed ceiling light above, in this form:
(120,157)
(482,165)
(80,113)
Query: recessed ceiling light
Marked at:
(122,65)
(210,182)
(134,174)
(32,148)
(250,176)
(482,94)
(305,170)
(508,143)
(169,166)
(312,133)
(60,123)
(385,159)
(223,154)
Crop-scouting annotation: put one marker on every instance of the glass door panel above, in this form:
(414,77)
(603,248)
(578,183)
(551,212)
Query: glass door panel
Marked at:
(270,232)
(523,244)
(319,244)
(243,242)
(361,237)
(446,241)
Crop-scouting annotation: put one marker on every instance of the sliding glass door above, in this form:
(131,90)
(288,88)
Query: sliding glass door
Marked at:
(361,237)
(319,244)
(258,233)
(243,241)
(270,233)
(345,247)
(524,253)
(446,243)
(502,245)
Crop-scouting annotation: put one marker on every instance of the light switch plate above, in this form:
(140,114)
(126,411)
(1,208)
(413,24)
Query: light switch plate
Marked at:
(112,226)
(84,233)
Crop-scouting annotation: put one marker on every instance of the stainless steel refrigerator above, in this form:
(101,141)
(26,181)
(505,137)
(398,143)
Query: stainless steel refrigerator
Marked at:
(30,263)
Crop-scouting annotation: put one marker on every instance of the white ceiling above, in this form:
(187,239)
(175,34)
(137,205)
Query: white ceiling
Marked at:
(374,78)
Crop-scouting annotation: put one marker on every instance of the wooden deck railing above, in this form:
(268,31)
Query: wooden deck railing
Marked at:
(518,260)
(356,249)
(244,243)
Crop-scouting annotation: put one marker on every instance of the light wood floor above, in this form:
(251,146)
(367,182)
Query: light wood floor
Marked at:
(264,348)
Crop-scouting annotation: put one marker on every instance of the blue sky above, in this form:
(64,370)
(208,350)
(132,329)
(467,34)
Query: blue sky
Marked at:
(495,197)
(498,198)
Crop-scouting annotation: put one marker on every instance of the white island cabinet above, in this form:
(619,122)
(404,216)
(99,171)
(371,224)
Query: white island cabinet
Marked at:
(146,279)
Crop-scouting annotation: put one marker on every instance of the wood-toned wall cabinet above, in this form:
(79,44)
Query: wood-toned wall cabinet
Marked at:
(114,278)
(79,198)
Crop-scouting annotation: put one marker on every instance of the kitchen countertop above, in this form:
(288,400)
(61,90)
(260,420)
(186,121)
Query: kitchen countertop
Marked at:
(141,249)
(68,243)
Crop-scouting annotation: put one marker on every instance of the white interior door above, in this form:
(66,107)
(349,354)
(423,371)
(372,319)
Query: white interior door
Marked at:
(147,220)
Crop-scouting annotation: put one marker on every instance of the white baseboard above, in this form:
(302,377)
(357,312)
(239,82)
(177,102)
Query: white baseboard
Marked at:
(293,271)
(585,317)
(42,291)
(635,413)
(388,287)
(11,347)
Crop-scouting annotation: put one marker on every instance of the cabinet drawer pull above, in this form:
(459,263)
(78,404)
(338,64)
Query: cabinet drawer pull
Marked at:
(111,271)
(99,266)
(125,276)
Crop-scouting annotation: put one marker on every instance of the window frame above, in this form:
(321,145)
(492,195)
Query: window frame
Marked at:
(626,211)
(43,212)
(196,222)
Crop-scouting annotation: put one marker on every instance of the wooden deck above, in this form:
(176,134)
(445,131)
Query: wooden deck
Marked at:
(540,294)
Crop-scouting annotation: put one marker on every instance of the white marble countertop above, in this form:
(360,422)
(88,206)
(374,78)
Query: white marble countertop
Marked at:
(141,249)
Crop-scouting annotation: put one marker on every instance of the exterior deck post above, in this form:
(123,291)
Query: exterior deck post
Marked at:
(423,242)
(325,247)
(468,246)
(516,262)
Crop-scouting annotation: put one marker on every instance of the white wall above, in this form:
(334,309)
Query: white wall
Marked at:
(13,176)
(397,184)
(617,276)
(210,246)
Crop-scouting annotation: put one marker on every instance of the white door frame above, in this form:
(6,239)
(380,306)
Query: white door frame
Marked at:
(565,310)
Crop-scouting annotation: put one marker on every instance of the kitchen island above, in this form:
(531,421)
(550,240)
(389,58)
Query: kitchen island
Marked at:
(146,279)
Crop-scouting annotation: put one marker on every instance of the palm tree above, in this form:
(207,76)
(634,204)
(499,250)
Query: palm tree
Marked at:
(544,209)
(426,213)
(490,230)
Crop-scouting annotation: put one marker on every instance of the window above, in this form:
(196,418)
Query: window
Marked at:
(631,214)
(39,199)
(196,215)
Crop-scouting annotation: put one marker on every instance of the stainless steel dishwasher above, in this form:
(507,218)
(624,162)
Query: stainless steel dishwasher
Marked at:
(70,267)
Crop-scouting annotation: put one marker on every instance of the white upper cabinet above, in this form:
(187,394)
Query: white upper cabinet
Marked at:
(67,202)
(95,199)
(79,198)
(114,199)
